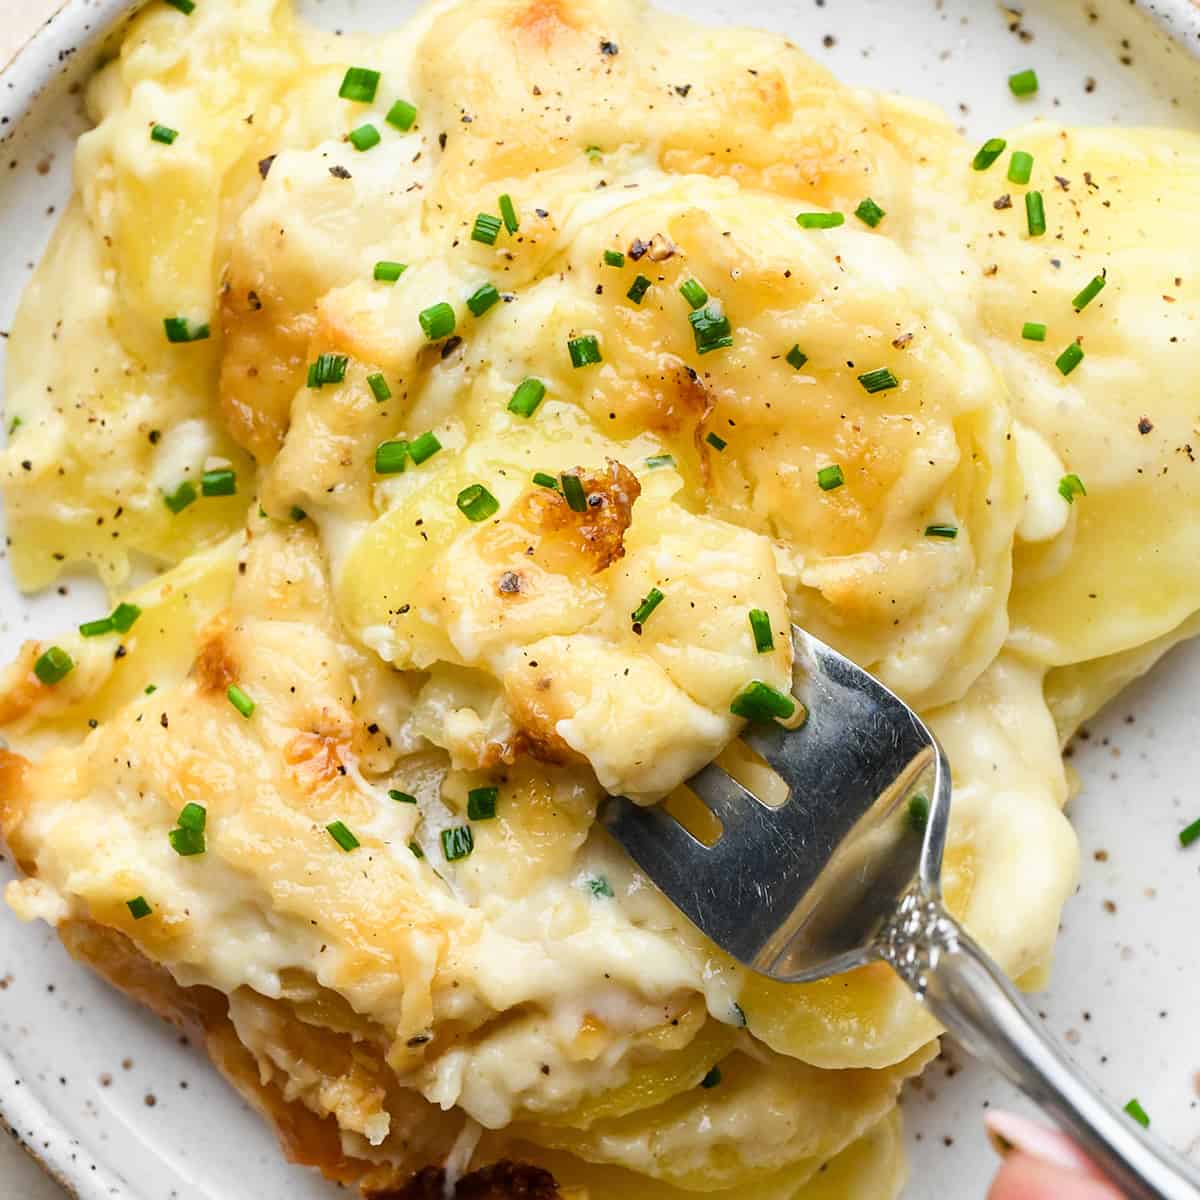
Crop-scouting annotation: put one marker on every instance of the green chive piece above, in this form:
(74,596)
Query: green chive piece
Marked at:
(457,842)
(1138,1113)
(918,813)
(584,351)
(1090,292)
(1070,358)
(573,493)
(379,387)
(1035,213)
(1033,331)
(599,886)
(297,513)
(796,357)
(711,328)
(437,321)
(329,368)
(820,220)
(151,688)
(417,851)
(180,329)
(193,817)
(831,477)
(221,481)
(544,480)
(486,229)
(423,447)
(716,441)
(163,133)
(344,838)
(712,1078)
(90,629)
(660,460)
(942,531)
(1023,83)
(181,497)
(390,456)
(483,298)
(760,626)
(1020,167)
(869,213)
(401,115)
(401,797)
(364,137)
(638,289)
(53,665)
(187,7)
(359,84)
(879,380)
(759,701)
(529,394)
(123,617)
(693,292)
(387,271)
(187,842)
(614,258)
(138,908)
(1190,834)
(14,425)
(481,803)
(593,152)
(653,599)
(1070,486)
(476,503)
(508,212)
(240,700)
(988,153)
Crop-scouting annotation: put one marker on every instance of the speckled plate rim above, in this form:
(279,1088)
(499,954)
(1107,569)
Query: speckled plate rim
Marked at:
(65,46)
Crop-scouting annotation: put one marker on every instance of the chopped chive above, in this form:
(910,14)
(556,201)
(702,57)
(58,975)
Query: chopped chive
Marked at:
(481,803)
(423,447)
(1035,213)
(387,271)
(187,842)
(573,493)
(584,351)
(480,300)
(544,480)
(796,357)
(364,137)
(1138,1113)
(593,152)
(693,292)
(599,886)
(528,395)
(53,665)
(486,229)
(638,289)
(711,328)
(941,531)
(476,503)
(138,908)
(831,477)
(329,368)
(181,497)
(1090,292)
(401,797)
(869,213)
(457,842)
(1020,167)
(240,700)
(614,258)
(390,456)
(359,84)
(879,380)
(163,133)
(379,387)
(193,817)
(760,626)
(437,321)
(1070,486)
(1033,331)
(758,701)
(820,220)
(716,441)
(918,813)
(99,628)
(123,617)
(151,688)
(401,115)
(653,599)
(221,481)
(509,212)
(988,153)
(1023,83)
(14,425)
(297,513)
(417,851)
(712,1078)
(344,838)
(1070,358)
(660,460)
(1190,834)
(180,329)
(187,7)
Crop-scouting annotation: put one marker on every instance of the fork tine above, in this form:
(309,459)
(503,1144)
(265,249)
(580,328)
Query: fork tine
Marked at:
(730,802)
(648,834)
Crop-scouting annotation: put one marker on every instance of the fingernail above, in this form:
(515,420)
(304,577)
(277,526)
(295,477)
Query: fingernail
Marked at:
(1007,1131)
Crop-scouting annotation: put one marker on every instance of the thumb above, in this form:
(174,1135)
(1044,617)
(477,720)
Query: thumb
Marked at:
(1042,1164)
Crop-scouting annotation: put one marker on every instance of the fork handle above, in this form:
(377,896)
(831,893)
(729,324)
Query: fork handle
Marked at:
(971,996)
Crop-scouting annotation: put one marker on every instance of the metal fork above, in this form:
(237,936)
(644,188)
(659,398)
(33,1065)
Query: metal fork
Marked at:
(847,870)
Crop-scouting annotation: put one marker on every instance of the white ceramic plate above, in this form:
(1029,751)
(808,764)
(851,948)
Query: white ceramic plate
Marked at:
(115,1106)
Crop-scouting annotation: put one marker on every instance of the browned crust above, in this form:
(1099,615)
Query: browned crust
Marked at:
(19,686)
(215,669)
(14,803)
(543,21)
(500,1181)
